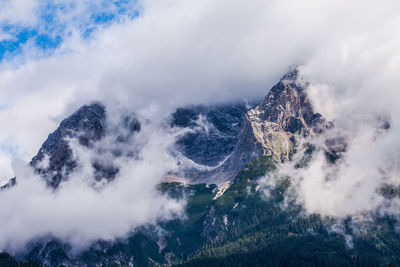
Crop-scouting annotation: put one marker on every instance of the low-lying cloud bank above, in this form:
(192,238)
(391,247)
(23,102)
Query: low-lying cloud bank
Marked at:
(357,87)
(362,101)
(83,209)
(189,52)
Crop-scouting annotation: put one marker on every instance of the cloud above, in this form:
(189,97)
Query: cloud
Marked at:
(356,86)
(5,170)
(5,36)
(190,52)
(20,12)
(84,210)
(174,53)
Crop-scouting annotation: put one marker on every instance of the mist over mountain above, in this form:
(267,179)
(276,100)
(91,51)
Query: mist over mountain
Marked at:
(199,133)
(110,164)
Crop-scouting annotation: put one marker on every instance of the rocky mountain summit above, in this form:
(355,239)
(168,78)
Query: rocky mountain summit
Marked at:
(281,120)
(218,142)
(10,183)
(211,135)
(54,161)
(272,128)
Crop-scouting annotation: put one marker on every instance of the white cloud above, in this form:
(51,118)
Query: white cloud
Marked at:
(182,52)
(5,168)
(20,12)
(5,36)
(356,86)
(80,213)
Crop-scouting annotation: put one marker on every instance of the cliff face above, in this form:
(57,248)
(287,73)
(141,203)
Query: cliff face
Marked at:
(54,161)
(284,117)
(273,128)
(212,131)
(87,124)
(219,142)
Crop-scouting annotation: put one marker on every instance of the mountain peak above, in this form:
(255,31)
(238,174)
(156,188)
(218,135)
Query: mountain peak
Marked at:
(284,117)
(54,161)
(274,127)
(87,124)
(288,106)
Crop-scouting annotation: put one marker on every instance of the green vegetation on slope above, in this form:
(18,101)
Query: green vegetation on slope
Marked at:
(249,225)
(261,232)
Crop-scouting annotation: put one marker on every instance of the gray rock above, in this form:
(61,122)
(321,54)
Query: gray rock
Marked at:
(9,184)
(273,128)
(87,125)
(282,119)
(213,131)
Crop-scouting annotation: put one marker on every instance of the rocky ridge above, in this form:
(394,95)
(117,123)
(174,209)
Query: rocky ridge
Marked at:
(211,131)
(282,119)
(273,128)
(219,142)
(55,161)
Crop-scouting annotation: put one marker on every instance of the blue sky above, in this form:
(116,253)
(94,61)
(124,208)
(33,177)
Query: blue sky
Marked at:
(55,20)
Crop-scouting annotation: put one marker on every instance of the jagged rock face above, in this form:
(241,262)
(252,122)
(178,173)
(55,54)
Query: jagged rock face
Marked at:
(212,131)
(87,125)
(9,184)
(273,128)
(285,116)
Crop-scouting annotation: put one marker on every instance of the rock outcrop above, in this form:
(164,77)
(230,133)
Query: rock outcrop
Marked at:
(12,182)
(284,117)
(219,142)
(54,161)
(273,128)
(211,131)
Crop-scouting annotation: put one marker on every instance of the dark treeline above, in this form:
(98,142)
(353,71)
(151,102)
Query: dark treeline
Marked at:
(6,260)
(262,232)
